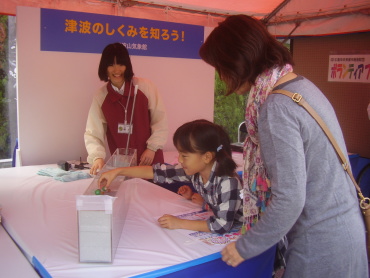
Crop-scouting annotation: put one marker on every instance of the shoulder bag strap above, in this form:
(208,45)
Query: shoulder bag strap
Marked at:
(297,98)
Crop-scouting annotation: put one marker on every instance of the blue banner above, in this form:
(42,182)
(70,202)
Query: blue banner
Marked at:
(68,31)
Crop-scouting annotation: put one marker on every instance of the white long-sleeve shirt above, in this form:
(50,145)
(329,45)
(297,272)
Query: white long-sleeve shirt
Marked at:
(96,125)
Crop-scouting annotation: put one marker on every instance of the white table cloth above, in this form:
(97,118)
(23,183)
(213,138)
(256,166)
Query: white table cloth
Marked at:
(40,215)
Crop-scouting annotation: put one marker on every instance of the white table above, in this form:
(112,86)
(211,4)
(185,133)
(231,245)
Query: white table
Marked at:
(40,215)
(12,261)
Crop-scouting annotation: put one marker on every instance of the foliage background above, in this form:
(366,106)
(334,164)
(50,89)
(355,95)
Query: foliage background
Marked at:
(4,122)
(228,110)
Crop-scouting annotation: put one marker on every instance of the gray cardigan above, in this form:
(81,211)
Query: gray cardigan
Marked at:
(313,201)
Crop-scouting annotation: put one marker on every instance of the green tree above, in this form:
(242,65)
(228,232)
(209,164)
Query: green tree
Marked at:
(4,122)
(229,110)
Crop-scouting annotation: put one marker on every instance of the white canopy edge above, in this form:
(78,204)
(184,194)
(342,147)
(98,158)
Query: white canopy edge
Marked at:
(100,7)
(352,23)
(346,23)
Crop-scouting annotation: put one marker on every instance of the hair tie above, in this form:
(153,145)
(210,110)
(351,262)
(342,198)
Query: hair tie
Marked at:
(219,148)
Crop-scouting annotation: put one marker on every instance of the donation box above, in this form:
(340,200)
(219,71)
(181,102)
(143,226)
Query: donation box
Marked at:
(101,217)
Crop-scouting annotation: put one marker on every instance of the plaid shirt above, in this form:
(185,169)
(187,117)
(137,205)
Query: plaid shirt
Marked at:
(220,193)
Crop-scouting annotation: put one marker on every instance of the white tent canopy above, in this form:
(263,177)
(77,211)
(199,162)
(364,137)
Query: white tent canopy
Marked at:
(283,17)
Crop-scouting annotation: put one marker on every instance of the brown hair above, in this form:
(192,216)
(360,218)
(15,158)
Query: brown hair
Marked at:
(240,48)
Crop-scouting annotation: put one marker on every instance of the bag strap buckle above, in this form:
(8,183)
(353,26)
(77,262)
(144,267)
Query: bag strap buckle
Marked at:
(296,97)
(364,202)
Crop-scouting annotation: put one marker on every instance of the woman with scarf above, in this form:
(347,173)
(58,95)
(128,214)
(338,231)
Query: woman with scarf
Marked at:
(294,184)
(122,115)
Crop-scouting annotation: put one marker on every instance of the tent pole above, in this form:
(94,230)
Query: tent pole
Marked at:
(267,18)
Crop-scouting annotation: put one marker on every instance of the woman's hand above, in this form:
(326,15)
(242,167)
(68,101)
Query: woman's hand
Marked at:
(97,166)
(185,191)
(169,222)
(231,256)
(147,157)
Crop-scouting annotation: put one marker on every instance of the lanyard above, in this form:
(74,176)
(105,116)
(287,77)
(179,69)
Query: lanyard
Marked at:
(128,100)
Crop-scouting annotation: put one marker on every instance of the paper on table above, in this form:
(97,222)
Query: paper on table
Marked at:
(215,241)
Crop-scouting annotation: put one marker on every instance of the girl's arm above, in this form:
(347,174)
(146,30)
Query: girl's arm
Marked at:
(144,172)
(171,222)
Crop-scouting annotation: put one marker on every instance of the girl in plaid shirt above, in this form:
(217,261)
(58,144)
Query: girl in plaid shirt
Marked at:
(205,160)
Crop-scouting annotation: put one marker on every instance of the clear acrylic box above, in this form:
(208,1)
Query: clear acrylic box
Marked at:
(101,217)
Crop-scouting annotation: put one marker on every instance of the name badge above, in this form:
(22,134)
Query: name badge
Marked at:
(124,128)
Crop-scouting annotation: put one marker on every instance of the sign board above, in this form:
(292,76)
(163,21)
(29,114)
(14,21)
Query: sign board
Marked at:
(69,31)
(349,68)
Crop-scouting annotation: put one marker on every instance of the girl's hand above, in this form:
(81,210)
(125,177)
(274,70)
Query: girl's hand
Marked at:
(185,191)
(106,178)
(169,222)
(196,198)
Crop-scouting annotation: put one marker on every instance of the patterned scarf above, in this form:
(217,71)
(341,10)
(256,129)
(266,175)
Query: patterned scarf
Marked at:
(256,191)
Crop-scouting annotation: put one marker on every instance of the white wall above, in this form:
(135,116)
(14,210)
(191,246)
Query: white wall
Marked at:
(55,91)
